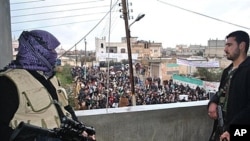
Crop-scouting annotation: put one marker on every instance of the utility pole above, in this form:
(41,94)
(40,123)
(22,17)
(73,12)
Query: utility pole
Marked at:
(76,54)
(131,74)
(85,59)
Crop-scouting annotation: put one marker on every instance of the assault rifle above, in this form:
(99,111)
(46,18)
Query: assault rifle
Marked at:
(220,120)
(220,126)
(70,130)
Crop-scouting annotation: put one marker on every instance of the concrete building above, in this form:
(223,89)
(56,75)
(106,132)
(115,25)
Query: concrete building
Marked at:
(215,48)
(182,50)
(196,49)
(164,68)
(185,50)
(117,51)
(146,49)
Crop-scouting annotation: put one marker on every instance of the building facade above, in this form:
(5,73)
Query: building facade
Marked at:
(215,48)
(14,48)
(117,51)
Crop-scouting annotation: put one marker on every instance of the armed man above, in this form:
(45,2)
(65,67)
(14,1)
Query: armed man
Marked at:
(32,96)
(234,91)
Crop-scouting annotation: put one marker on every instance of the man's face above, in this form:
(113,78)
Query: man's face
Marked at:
(232,49)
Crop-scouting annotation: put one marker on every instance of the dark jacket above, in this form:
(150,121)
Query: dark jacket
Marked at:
(238,107)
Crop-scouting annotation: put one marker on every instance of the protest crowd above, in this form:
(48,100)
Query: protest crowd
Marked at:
(98,88)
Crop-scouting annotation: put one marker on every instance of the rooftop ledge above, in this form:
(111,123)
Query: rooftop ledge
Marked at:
(140,108)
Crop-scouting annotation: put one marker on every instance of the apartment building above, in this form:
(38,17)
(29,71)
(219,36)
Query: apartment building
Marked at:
(146,49)
(215,48)
(117,51)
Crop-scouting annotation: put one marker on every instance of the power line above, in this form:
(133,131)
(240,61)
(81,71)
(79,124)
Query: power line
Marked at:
(203,15)
(55,18)
(67,4)
(84,37)
(58,17)
(54,25)
(115,19)
(25,2)
(59,11)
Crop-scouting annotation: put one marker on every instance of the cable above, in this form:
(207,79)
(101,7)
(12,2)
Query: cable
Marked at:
(55,18)
(25,2)
(114,22)
(108,93)
(58,11)
(88,32)
(53,5)
(54,25)
(203,15)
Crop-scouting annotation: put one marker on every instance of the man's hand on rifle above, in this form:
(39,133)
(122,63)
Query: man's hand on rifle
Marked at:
(225,136)
(85,134)
(212,111)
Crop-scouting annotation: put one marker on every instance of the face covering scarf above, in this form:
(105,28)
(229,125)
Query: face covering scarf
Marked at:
(36,51)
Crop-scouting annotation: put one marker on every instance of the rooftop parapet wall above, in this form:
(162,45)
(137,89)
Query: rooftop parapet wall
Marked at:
(186,121)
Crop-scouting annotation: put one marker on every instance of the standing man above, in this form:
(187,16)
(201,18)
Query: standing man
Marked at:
(234,90)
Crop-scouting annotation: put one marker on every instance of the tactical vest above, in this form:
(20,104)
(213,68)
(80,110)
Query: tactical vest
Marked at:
(35,102)
(224,91)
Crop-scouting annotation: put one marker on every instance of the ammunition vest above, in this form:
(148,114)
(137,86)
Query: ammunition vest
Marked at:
(36,105)
(224,91)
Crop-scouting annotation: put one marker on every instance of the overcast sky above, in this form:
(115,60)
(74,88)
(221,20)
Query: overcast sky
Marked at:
(170,22)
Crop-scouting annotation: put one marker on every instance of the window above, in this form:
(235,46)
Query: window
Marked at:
(123,50)
(111,49)
(101,45)
(145,45)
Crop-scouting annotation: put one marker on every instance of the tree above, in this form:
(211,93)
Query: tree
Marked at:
(209,74)
(65,78)
(64,75)
(200,53)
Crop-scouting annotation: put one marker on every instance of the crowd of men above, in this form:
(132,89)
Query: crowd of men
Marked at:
(101,88)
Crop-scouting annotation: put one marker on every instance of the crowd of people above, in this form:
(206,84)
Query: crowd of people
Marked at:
(97,88)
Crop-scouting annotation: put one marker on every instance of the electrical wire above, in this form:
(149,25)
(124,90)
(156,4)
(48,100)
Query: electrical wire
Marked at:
(25,2)
(67,4)
(115,17)
(54,25)
(17,16)
(56,18)
(203,15)
(84,37)
(108,93)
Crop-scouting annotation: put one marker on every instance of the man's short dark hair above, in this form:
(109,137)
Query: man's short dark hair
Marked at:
(240,36)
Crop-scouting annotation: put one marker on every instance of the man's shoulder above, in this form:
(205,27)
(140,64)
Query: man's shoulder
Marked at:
(5,71)
(11,70)
(246,63)
(14,73)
